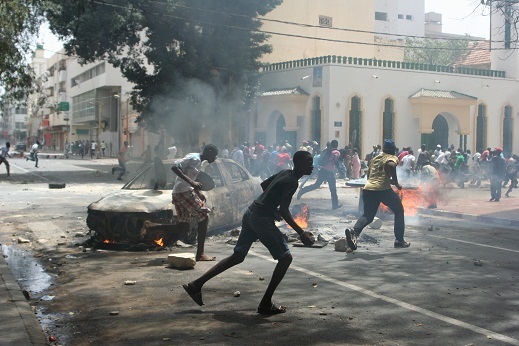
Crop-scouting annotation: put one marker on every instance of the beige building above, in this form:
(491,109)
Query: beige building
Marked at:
(361,101)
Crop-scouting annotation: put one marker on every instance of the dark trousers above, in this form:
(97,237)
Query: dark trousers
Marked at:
(372,200)
(322,176)
(121,169)
(496,183)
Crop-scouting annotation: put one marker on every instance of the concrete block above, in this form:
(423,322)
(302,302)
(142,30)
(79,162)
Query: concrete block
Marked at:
(182,260)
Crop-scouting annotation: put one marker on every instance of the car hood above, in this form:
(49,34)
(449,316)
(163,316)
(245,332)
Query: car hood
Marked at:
(145,201)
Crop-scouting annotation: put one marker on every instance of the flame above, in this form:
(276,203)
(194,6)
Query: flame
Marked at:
(159,242)
(302,218)
(412,199)
(108,241)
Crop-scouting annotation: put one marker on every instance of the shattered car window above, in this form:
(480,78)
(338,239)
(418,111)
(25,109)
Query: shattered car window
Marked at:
(214,173)
(237,173)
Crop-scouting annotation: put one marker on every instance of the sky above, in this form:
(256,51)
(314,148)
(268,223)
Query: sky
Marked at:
(459,17)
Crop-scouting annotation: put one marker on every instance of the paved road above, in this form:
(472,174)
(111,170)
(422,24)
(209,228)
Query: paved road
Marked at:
(455,285)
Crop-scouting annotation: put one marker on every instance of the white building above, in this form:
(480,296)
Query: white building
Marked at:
(359,100)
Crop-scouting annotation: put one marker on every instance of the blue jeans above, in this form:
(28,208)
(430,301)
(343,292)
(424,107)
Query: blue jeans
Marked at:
(496,183)
(322,176)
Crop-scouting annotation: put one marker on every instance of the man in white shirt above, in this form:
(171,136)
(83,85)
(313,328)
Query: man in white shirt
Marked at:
(34,153)
(408,163)
(93,148)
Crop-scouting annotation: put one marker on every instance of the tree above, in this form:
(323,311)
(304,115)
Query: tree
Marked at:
(192,62)
(20,21)
(435,51)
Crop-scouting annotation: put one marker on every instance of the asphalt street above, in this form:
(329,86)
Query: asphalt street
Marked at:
(455,285)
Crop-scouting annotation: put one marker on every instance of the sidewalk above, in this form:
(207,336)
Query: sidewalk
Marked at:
(473,204)
(19,325)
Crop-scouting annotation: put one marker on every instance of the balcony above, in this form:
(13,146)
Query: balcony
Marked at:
(62,76)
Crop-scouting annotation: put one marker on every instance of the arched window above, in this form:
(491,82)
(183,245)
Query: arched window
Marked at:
(481,128)
(355,124)
(508,130)
(316,120)
(388,120)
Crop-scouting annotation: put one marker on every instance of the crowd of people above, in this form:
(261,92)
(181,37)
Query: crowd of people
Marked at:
(442,166)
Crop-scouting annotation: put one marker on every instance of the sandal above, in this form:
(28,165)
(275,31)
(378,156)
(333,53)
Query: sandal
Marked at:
(197,297)
(272,310)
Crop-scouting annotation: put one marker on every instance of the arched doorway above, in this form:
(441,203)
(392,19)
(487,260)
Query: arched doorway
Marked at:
(440,133)
(280,130)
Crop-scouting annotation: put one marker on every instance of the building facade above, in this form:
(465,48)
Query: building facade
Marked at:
(359,101)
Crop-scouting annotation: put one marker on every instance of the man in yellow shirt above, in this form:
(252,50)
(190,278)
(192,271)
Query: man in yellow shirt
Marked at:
(381,175)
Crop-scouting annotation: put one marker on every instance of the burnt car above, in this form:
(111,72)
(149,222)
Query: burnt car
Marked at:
(119,217)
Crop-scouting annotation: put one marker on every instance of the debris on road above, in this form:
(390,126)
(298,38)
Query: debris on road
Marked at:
(130,282)
(478,263)
(237,293)
(114,313)
(23,240)
(182,261)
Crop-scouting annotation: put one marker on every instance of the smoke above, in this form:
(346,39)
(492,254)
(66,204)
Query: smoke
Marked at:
(191,107)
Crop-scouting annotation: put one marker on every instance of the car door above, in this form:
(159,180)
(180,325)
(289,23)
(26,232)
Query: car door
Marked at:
(219,199)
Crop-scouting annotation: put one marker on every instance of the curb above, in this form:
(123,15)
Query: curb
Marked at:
(21,327)
(470,217)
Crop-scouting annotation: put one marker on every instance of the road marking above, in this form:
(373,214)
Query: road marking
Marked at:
(27,171)
(487,333)
(473,243)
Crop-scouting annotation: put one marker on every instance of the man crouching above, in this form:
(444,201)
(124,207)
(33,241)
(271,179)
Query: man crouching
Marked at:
(259,223)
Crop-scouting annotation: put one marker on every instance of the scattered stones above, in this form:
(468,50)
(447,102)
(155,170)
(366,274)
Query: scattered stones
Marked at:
(261,278)
(478,263)
(79,235)
(114,313)
(376,224)
(182,261)
(23,240)
(235,232)
(341,245)
(130,282)
(237,293)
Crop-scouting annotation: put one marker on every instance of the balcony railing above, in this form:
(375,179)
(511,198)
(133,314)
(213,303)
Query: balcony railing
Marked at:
(399,65)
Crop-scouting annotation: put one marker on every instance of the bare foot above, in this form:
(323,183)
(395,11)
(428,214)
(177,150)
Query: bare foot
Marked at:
(204,257)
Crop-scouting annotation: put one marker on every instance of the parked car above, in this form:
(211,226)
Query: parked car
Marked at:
(20,146)
(119,217)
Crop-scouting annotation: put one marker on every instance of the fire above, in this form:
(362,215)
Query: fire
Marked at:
(412,199)
(108,241)
(302,218)
(159,242)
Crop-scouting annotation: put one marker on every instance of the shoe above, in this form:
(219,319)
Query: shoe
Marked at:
(506,194)
(351,238)
(36,166)
(337,206)
(113,170)
(196,296)
(273,310)
(497,200)
(492,199)
(402,244)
